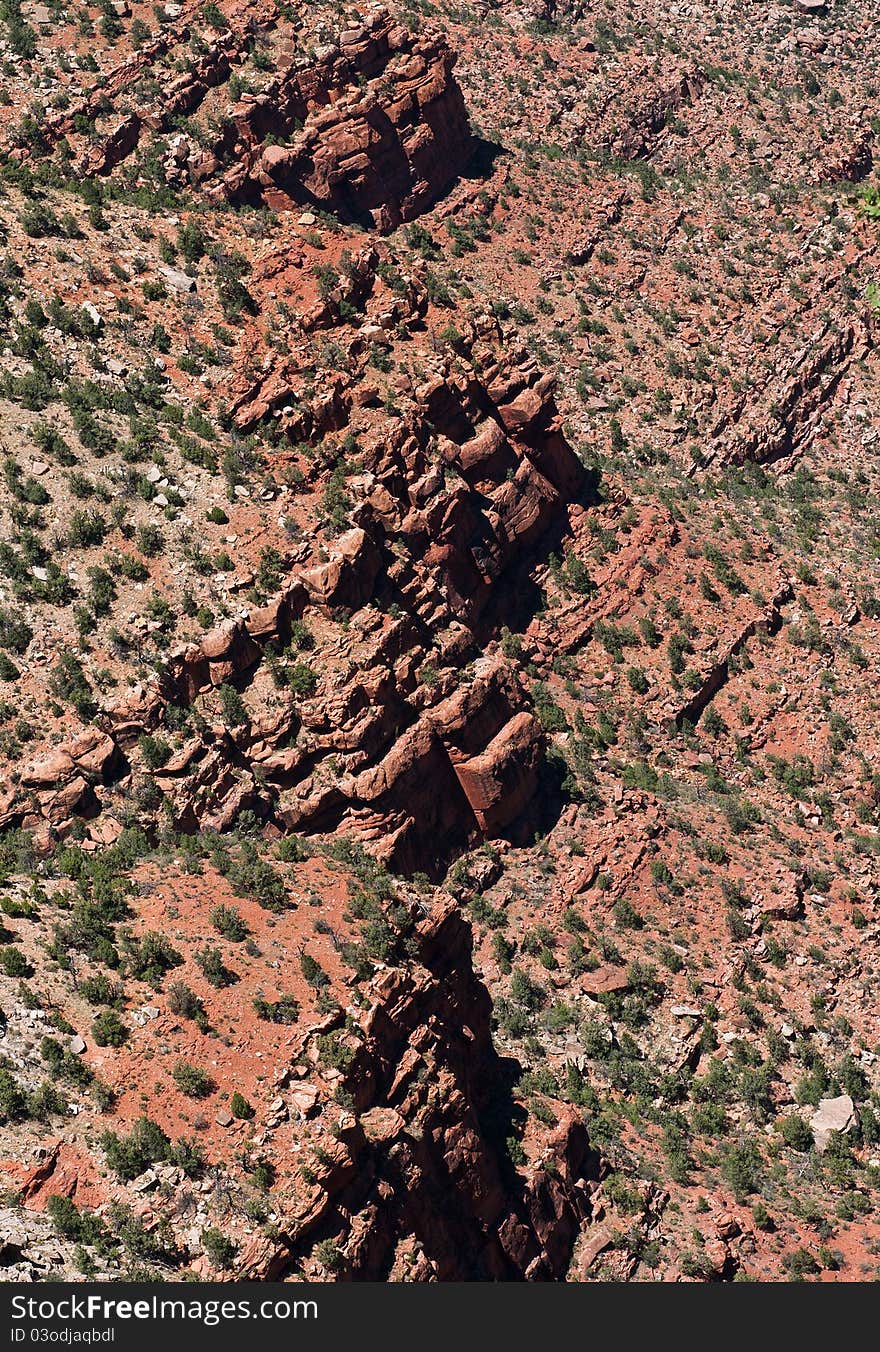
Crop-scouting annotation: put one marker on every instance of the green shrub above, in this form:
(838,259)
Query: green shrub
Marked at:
(149,957)
(240,1108)
(234,708)
(301,636)
(150,540)
(69,682)
(14,963)
(154,1244)
(301,679)
(252,876)
(146,1144)
(312,971)
(108,1030)
(192,1080)
(155,751)
(184,1002)
(86,530)
(219,1247)
(45,1102)
(329,1254)
(65,1065)
(210,960)
(741,1168)
(284,1010)
(228,922)
(626,916)
(100,990)
(637,679)
(72,1223)
(796,1133)
(13,1101)
(290,850)
(263,1176)
(800,1263)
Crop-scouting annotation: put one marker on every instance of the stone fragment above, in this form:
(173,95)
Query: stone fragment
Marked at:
(832,1114)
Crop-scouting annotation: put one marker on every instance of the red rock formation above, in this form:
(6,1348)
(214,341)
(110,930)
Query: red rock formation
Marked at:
(384,130)
(788,414)
(375,128)
(424,1078)
(466,485)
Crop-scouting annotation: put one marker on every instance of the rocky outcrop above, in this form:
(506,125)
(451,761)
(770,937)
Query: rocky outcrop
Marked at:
(183,94)
(427,1120)
(348,576)
(628,111)
(789,413)
(31,1249)
(380,151)
(852,161)
(61,784)
(717,675)
(452,503)
(832,1115)
(372,126)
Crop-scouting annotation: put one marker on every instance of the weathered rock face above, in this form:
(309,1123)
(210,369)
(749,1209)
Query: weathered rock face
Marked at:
(374,130)
(424,1082)
(374,127)
(454,500)
(32,1251)
(382,154)
(833,1114)
(628,115)
(788,414)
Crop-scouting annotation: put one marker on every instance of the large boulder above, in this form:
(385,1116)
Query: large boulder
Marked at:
(832,1114)
(347,578)
(500,781)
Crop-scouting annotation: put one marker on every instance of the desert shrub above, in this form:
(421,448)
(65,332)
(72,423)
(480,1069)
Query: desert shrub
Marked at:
(72,1223)
(252,876)
(47,1101)
(290,850)
(219,1247)
(233,706)
(69,682)
(240,1108)
(108,1030)
(14,963)
(328,1253)
(796,1133)
(153,1244)
(192,1080)
(86,530)
(149,540)
(15,632)
(100,990)
(301,679)
(148,957)
(312,971)
(13,1100)
(228,922)
(155,751)
(283,1010)
(184,1002)
(146,1144)
(65,1065)
(799,1263)
(741,1168)
(210,961)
